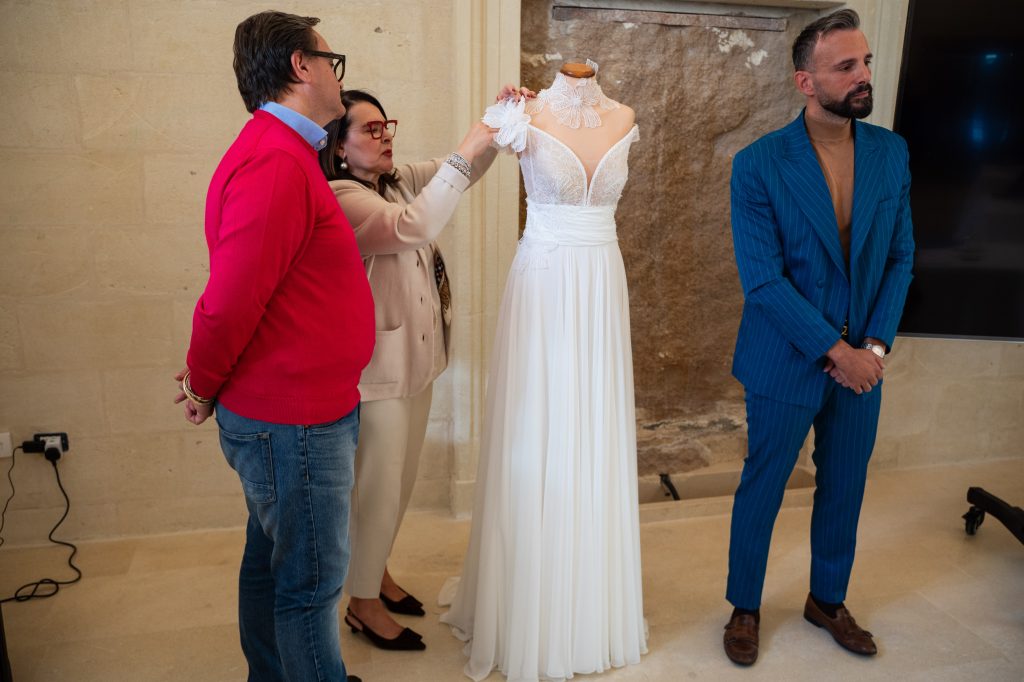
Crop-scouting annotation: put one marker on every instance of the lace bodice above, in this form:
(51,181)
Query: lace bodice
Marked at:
(552,172)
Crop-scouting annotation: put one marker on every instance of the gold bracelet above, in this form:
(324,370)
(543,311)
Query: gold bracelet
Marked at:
(190,394)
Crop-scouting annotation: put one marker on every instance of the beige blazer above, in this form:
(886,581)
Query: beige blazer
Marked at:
(395,234)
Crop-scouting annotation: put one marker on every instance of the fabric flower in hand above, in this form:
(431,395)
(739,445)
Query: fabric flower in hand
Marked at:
(511,120)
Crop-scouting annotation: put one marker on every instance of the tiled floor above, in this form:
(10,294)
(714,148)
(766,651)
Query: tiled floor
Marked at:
(943,606)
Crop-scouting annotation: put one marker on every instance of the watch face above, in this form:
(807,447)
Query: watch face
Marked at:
(877,350)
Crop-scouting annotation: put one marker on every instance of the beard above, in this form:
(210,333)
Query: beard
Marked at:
(848,107)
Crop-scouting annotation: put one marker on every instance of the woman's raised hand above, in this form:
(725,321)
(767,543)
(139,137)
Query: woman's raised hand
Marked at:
(510,91)
(480,135)
(477,140)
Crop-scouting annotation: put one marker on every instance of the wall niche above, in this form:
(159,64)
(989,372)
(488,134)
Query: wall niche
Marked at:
(704,85)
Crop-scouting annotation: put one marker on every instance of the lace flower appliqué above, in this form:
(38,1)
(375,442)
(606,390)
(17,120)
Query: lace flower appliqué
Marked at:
(509,117)
(573,105)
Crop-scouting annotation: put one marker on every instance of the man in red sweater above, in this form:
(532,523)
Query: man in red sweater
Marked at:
(280,336)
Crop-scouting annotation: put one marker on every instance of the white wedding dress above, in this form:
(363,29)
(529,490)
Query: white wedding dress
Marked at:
(551,583)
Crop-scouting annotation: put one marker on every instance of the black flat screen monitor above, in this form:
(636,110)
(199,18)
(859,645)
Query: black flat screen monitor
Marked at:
(961,109)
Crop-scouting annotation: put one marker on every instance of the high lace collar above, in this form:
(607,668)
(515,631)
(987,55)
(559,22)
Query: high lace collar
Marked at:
(574,104)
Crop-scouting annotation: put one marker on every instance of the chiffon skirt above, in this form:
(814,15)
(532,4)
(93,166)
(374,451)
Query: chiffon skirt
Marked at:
(551,583)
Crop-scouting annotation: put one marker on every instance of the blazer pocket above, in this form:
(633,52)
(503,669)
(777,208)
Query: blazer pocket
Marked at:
(884,220)
(886,207)
(390,355)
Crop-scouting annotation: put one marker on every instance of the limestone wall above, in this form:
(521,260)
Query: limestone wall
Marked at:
(701,93)
(115,115)
(707,79)
(116,112)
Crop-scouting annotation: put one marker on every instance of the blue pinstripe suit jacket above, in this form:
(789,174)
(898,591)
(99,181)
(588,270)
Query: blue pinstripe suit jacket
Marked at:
(796,286)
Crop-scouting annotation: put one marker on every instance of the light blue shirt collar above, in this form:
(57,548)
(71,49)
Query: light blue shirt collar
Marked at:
(310,131)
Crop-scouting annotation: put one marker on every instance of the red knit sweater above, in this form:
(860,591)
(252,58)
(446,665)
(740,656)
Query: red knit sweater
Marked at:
(285,324)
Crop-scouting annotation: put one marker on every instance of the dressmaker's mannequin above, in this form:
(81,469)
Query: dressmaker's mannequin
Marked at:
(589,143)
(551,584)
(577,70)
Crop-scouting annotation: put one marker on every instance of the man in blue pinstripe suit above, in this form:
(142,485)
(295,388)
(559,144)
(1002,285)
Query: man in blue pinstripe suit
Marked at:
(824,247)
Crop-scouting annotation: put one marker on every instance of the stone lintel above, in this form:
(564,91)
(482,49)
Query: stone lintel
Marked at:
(706,6)
(562,13)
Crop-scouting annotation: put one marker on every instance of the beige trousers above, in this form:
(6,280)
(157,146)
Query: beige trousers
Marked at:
(391,434)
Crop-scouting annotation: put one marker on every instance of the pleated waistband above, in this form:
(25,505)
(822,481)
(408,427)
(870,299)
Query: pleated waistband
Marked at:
(566,225)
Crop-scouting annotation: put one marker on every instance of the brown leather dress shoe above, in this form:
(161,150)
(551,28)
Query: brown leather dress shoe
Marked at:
(741,639)
(843,628)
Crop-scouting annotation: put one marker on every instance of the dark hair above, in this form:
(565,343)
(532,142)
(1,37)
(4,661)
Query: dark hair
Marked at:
(803,46)
(337,131)
(264,44)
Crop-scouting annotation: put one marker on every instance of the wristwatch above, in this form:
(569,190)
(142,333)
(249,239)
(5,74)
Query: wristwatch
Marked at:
(876,348)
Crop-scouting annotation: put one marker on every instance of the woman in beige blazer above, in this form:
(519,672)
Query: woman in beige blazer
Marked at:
(397,213)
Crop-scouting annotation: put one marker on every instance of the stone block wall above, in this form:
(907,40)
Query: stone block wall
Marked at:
(705,81)
(951,400)
(701,92)
(115,114)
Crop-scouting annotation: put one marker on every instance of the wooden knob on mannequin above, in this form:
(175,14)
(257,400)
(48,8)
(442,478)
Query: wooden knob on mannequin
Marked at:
(577,70)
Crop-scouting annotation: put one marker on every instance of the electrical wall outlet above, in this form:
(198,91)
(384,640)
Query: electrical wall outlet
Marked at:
(50,445)
(5,444)
(53,444)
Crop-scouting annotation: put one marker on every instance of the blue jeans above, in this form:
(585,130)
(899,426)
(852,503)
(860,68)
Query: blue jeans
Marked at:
(297,482)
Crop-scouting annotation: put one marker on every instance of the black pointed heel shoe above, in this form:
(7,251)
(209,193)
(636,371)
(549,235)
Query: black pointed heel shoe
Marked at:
(407,605)
(407,640)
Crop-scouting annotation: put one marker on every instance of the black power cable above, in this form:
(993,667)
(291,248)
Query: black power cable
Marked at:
(32,590)
(3,514)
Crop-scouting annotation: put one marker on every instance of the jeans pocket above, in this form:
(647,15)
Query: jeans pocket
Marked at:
(249,454)
(330,452)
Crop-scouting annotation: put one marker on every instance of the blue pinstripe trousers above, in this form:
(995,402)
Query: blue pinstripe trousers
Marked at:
(844,436)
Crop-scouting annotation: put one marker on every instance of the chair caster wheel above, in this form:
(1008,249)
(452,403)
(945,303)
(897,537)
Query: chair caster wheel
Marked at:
(973,520)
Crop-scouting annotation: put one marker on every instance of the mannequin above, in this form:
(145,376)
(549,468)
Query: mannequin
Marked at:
(551,583)
(577,70)
(588,143)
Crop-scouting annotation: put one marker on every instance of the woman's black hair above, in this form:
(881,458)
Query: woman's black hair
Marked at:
(337,131)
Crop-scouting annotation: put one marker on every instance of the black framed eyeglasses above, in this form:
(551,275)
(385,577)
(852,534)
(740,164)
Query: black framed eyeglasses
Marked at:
(337,61)
(377,128)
